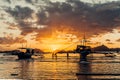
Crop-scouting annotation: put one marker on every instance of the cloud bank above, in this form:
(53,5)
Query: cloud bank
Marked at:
(69,17)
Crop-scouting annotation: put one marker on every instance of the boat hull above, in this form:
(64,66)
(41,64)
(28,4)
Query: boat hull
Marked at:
(24,56)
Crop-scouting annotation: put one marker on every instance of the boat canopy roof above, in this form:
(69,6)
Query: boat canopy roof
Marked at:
(82,46)
(25,49)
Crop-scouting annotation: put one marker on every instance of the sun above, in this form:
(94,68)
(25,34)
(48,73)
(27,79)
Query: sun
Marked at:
(54,47)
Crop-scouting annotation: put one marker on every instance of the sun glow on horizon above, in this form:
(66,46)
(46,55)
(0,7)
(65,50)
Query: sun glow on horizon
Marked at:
(59,40)
(55,47)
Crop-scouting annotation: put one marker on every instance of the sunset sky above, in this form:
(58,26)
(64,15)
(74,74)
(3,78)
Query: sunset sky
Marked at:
(59,24)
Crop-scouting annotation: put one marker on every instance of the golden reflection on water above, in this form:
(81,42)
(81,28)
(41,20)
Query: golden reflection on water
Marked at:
(60,68)
(46,70)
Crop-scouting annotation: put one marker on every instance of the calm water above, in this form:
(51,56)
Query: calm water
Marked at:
(60,68)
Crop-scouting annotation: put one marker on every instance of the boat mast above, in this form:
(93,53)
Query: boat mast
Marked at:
(84,40)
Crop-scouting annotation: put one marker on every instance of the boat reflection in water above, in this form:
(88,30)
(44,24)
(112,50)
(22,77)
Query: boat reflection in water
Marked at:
(60,68)
(83,69)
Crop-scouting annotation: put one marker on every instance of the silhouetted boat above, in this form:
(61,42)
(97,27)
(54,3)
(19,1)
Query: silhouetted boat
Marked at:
(25,53)
(84,51)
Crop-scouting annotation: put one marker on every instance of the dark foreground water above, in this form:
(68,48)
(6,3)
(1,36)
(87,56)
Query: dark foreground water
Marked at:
(60,68)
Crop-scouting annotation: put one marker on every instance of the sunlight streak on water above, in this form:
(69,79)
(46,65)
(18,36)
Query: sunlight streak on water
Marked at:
(57,68)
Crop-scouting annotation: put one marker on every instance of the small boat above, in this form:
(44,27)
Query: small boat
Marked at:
(110,55)
(25,53)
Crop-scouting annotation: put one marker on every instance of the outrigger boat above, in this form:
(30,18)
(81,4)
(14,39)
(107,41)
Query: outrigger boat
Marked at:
(25,53)
(84,51)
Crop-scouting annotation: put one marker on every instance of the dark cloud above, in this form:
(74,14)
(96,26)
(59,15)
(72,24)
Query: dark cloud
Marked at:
(12,26)
(110,43)
(72,16)
(22,16)
(11,40)
(108,40)
(118,40)
(9,1)
(80,17)
(20,12)
(31,1)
